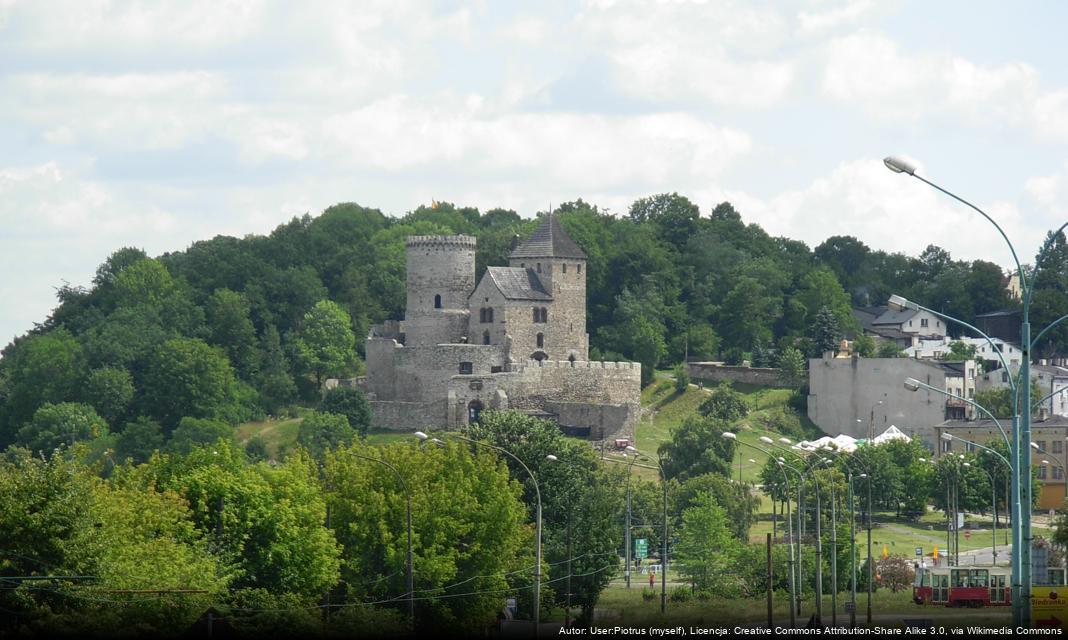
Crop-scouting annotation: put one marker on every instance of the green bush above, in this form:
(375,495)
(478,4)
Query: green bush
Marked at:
(724,403)
(680,594)
(649,595)
(682,378)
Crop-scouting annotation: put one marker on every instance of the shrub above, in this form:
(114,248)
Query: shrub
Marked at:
(680,594)
(649,594)
(724,403)
(682,378)
(350,403)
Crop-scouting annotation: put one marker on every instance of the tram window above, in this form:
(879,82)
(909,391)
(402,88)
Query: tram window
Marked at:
(979,577)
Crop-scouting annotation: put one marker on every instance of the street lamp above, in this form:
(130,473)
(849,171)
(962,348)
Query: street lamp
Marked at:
(664,542)
(789,521)
(537,534)
(1021,602)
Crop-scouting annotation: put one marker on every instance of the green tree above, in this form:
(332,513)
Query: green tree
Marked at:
(276,385)
(265,521)
(960,351)
(40,369)
(186,378)
(696,447)
(738,500)
(825,332)
(724,403)
(321,432)
(578,495)
(682,378)
(705,548)
(792,367)
(230,325)
(61,424)
(350,403)
(109,390)
(864,346)
(325,344)
(195,432)
(464,553)
(140,438)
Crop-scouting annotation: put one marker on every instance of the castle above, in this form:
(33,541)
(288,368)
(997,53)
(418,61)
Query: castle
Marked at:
(517,340)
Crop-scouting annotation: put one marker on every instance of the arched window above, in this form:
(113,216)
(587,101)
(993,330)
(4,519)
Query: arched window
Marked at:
(485,337)
(537,315)
(578,267)
(489,315)
(541,340)
(564,267)
(544,314)
(539,267)
(437,301)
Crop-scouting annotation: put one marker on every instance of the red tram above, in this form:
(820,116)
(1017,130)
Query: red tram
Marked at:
(962,587)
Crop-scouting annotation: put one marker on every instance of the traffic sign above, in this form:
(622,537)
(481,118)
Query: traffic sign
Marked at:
(641,548)
(919,551)
(1049,607)
(850,607)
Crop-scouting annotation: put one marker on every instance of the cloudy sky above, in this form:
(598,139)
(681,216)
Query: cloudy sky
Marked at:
(161,123)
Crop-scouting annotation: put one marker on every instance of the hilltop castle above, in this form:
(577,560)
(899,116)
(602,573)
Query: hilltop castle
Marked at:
(517,340)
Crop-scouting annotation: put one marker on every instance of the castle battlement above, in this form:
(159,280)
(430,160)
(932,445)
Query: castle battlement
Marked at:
(518,367)
(441,242)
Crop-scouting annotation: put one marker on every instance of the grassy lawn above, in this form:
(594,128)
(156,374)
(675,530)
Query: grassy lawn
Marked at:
(630,607)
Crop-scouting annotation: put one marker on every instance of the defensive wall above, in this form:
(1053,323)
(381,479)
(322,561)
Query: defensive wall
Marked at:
(716,372)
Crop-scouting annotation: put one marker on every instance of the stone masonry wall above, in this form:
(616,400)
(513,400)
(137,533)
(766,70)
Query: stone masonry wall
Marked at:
(715,372)
(438,266)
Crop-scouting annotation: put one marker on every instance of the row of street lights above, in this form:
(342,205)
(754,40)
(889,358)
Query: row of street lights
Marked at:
(797,581)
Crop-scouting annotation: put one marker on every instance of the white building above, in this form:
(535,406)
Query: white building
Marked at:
(938,348)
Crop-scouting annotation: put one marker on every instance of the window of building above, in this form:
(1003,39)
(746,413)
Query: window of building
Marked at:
(910,323)
(437,301)
(1058,446)
(578,268)
(485,337)
(466,368)
(485,315)
(1058,473)
(541,314)
(541,340)
(564,267)
(496,369)
(947,446)
(1042,472)
(1004,376)
(539,267)
(923,322)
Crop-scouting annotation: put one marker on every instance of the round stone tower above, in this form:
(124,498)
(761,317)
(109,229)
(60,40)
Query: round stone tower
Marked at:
(441,275)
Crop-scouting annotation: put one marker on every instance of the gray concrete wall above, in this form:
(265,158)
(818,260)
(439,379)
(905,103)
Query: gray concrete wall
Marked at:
(843,390)
(715,372)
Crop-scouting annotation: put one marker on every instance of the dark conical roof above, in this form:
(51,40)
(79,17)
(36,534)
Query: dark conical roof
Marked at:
(549,241)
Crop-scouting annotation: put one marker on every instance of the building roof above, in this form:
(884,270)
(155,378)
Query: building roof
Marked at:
(998,314)
(866,316)
(895,316)
(549,241)
(516,283)
(1053,422)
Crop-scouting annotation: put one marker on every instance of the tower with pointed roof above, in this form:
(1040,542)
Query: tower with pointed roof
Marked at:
(560,266)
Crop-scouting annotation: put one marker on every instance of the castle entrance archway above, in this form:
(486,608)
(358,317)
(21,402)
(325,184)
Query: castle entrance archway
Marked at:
(474,408)
(539,356)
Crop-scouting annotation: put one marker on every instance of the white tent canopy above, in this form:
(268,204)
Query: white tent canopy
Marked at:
(843,442)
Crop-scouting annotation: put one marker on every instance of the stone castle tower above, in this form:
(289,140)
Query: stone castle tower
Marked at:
(516,339)
(441,275)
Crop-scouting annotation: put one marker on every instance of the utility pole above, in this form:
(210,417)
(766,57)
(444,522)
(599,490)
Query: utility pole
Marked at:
(770,605)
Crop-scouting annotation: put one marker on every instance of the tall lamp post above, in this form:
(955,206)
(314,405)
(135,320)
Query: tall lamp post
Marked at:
(664,542)
(537,534)
(789,521)
(408,505)
(1021,601)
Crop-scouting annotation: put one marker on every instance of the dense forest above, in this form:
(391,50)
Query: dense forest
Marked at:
(117,419)
(232,329)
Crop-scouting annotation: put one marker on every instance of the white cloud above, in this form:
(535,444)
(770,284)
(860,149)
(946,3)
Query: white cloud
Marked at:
(714,52)
(871,72)
(819,22)
(1050,192)
(887,211)
(552,149)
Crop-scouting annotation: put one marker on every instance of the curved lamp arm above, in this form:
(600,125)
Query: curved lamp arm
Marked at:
(949,436)
(1051,325)
(912,384)
(899,301)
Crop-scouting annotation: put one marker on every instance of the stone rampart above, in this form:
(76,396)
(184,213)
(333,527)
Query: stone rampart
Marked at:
(716,372)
